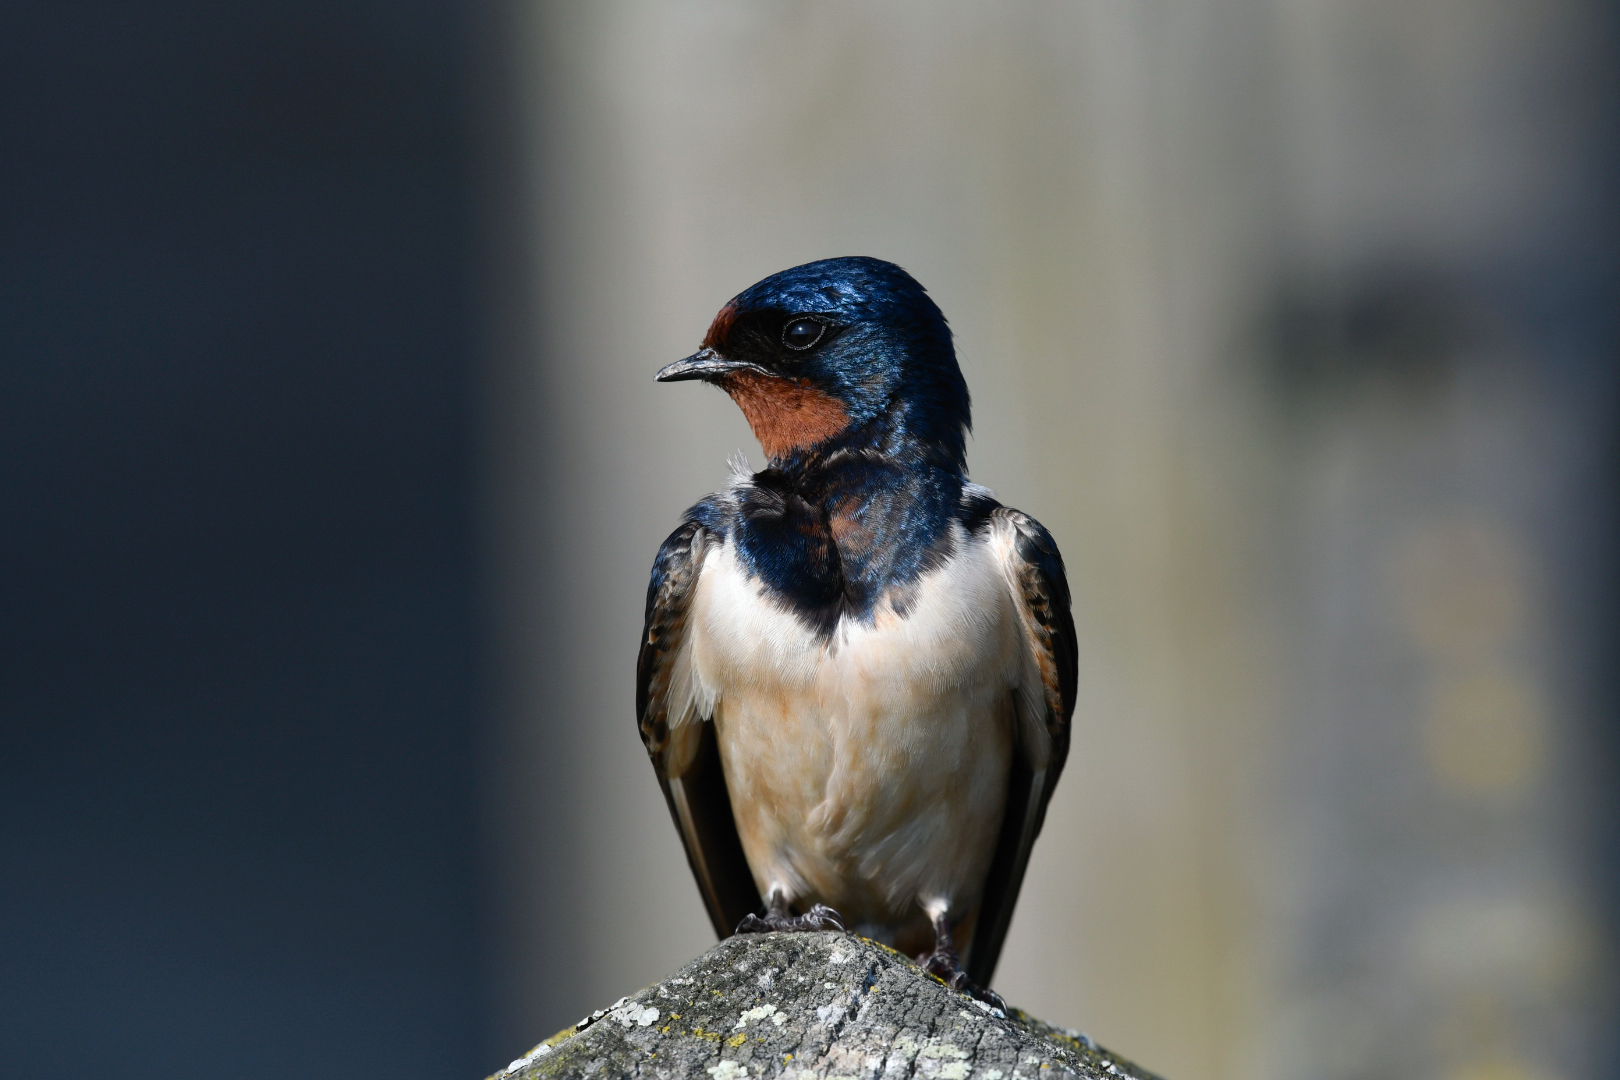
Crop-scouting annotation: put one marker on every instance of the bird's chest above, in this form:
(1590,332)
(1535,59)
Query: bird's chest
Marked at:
(837,743)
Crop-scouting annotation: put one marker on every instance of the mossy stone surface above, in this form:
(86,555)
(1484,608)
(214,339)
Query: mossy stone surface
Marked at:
(812,1007)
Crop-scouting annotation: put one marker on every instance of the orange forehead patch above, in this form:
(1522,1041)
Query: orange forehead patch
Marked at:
(721,327)
(785,415)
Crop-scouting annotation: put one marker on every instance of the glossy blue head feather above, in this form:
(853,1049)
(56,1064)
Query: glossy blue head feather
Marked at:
(860,332)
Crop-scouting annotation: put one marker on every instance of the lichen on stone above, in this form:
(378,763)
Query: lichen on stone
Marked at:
(821,1006)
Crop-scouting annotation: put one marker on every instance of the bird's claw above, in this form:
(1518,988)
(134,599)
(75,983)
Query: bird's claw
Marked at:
(946,966)
(819,917)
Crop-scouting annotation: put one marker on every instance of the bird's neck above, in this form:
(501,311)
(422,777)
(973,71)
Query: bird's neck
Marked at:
(848,452)
(877,475)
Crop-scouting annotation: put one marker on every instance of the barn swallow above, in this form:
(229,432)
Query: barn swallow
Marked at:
(858,668)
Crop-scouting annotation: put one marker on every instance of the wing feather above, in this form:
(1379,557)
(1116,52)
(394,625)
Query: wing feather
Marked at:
(1045,704)
(684,753)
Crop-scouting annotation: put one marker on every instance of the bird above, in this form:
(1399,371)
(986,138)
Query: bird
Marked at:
(858,668)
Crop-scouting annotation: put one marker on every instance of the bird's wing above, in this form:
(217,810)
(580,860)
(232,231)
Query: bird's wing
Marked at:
(683,748)
(1044,702)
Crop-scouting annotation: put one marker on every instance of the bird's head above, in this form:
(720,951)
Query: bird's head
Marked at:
(841,352)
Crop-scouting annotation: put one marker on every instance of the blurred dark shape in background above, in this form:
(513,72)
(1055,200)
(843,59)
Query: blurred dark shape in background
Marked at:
(1398,322)
(237,677)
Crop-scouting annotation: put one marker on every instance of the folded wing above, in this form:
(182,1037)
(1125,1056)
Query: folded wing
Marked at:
(685,753)
(1045,702)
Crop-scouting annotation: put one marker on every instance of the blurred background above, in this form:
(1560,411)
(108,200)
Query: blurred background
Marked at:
(331,468)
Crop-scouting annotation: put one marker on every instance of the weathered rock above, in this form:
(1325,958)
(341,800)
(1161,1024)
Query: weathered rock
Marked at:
(820,1006)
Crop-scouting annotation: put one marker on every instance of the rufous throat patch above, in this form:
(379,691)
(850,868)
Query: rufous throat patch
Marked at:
(784,414)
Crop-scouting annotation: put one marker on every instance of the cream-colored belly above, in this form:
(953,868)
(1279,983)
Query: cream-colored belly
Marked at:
(868,770)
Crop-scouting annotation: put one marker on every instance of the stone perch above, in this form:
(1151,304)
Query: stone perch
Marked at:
(825,1006)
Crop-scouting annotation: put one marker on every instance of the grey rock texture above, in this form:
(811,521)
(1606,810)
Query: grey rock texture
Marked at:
(821,1006)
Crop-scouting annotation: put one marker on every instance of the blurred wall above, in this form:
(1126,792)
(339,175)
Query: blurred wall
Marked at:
(1293,321)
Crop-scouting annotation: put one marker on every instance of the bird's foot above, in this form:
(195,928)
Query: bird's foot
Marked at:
(819,917)
(946,966)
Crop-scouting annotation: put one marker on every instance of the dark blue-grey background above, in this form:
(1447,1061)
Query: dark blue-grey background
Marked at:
(237,633)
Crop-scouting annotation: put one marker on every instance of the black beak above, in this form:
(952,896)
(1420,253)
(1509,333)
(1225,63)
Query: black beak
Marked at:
(705,364)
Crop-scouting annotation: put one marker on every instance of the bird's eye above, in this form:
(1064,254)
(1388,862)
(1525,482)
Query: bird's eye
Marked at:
(802,333)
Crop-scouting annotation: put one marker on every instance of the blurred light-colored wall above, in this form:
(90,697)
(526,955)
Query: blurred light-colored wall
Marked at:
(1245,293)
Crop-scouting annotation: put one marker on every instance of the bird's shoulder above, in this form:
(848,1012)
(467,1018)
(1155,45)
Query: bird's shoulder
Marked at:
(670,586)
(1034,569)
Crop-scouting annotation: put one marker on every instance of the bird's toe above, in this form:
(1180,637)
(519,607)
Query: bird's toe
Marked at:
(819,917)
(946,966)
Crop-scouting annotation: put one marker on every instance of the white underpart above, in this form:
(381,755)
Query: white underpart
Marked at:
(867,770)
